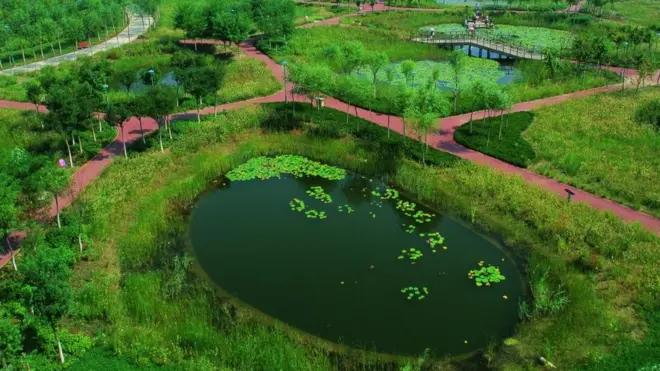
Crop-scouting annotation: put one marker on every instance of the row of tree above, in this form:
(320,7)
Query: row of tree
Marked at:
(40,24)
(233,21)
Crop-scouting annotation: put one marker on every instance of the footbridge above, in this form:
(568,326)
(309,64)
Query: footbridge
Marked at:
(503,46)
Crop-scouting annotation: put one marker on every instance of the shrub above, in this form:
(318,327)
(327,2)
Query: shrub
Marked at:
(649,113)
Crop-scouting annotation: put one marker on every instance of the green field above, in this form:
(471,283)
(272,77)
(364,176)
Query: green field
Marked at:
(638,12)
(592,143)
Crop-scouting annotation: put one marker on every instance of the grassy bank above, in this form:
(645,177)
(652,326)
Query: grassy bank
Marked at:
(605,152)
(592,277)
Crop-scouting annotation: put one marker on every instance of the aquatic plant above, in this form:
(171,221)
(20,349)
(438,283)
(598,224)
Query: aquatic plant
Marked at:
(373,215)
(297,205)
(410,228)
(422,217)
(486,275)
(315,214)
(347,208)
(273,167)
(318,193)
(434,238)
(406,207)
(412,254)
(413,292)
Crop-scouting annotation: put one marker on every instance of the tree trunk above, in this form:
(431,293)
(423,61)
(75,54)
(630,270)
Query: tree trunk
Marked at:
(68,148)
(100,125)
(215,105)
(52,49)
(11,252)
(160,138)
(471,114)
(23,53)
(73,139)
(141,130)
(388,125)
(80,144)
(41,48)
(501,123)
(57,209)
(199,104)
(80,242)
(169,126)
(94,134)
(123,142)
(59,45)
(59,345)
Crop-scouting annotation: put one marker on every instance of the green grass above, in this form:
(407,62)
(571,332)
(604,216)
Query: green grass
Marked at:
(484,136)
(638,12)
(592,143)
(11,88)
(318,13)
(307,44)
(137,233)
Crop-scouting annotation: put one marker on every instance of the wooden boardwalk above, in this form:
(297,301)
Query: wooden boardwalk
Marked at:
(481,42)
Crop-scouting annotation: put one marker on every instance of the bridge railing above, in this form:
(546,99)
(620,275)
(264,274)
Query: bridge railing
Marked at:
(496,43)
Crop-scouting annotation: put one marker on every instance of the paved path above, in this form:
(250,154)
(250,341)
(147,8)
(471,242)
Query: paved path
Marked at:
(136,27)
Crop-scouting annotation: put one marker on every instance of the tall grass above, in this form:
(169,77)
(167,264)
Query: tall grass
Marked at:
(595,144)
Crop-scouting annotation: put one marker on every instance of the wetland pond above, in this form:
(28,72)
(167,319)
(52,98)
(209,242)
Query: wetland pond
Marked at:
(350,260)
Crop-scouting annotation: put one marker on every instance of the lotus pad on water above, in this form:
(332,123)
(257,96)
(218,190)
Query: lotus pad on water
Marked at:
(272,167)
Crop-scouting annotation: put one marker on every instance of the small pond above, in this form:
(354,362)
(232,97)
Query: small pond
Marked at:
(139,86)
(344,262)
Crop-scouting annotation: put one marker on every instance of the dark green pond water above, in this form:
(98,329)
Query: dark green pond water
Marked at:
(340,278)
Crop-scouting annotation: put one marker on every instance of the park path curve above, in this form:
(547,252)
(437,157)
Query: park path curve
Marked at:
(137,26)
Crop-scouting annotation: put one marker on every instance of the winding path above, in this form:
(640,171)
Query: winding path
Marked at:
(442,139)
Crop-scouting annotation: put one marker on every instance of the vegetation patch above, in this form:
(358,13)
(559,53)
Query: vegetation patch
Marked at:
(273,167)
(500,137)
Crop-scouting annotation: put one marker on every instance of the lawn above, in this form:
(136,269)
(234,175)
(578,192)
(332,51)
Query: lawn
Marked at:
(318,13)
(637,12)
(571,252)
(592,143)
(11,88)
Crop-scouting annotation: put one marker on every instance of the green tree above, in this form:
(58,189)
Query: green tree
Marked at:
(11,341)
(54,180)
(311,79)
(275,17)
(190,17)
(34,94)
(232,21)
(126,77)
(164,103)
(353,56)
(9,208)
(47,272)
(376,62)
(118,113)
(457,63)
(407,69)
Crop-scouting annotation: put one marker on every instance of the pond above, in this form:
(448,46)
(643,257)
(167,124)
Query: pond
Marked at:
(139,86)
(345,263)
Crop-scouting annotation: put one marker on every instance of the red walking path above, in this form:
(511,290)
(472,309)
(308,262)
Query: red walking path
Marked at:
(441,140)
